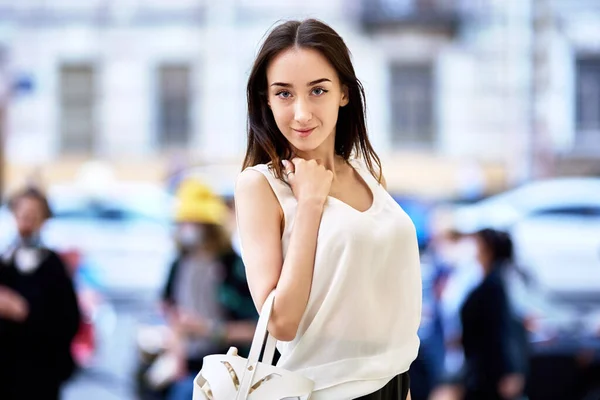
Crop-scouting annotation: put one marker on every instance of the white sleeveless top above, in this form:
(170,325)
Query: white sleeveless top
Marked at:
(359,329)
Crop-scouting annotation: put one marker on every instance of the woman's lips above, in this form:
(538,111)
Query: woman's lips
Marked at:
(304,132)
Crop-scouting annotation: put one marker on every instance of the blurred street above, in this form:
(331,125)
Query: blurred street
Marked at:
(112,375)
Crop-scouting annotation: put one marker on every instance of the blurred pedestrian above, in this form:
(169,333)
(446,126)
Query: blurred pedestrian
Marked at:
(206,298)
(458,255)
(39,314)
(493,338)
(452,256)
(318,226)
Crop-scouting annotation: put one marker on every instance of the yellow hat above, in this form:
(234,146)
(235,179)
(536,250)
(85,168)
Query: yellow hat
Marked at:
(198,203)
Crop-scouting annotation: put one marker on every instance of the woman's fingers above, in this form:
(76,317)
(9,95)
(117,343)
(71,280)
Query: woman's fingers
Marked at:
(289,169)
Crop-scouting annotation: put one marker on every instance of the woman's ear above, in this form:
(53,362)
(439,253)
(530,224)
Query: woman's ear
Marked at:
(344,100)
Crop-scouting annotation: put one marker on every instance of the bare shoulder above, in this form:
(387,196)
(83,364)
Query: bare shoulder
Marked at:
(376,173)
(250,180)
(252,183)
(253,188)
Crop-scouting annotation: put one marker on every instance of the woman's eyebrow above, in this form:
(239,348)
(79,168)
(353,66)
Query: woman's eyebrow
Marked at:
(318,81)
(288,85)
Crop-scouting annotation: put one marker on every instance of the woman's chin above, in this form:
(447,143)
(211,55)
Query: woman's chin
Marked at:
(305,146)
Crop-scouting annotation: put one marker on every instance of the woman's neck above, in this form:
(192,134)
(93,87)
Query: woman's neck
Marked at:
(330,161)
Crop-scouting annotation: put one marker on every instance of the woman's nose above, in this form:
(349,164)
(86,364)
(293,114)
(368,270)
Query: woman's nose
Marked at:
(302,113)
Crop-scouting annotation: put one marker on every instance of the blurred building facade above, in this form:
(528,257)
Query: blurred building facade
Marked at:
(464,96)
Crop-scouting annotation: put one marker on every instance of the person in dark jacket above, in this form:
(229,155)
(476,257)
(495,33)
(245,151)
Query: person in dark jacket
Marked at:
(492,339)
(39,314)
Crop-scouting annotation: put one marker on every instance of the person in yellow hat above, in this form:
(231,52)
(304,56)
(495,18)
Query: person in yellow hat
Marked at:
(206,298)
(200,216)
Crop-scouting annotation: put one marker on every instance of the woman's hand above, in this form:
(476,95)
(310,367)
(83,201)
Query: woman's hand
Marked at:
(12,305)
(310,181)
(511,386)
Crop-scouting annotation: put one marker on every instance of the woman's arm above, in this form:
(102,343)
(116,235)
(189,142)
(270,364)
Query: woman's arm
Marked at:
(260,220)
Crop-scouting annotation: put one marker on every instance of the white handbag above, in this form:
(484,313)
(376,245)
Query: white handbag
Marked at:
(230,377)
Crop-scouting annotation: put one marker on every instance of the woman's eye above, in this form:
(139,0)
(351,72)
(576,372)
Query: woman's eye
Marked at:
(319,91)
(284,94)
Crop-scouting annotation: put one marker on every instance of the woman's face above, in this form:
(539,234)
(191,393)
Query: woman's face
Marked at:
(29,215)
(305,94)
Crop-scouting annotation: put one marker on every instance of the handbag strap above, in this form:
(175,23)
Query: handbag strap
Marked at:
(269,353)
(261,332)
(258,341)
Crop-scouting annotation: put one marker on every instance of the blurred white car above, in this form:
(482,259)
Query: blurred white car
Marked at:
(123,234)
(555,226)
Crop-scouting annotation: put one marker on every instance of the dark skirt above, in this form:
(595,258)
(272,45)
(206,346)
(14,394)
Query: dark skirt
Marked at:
(396,389)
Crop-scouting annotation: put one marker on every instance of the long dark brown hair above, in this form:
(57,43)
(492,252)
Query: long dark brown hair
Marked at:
(265,141)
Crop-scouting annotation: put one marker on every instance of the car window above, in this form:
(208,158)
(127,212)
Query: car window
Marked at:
(579,211)
(105,214)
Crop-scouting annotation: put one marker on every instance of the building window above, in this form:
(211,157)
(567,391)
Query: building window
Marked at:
(412,105)
(174,93)
(588,100)
(77,108)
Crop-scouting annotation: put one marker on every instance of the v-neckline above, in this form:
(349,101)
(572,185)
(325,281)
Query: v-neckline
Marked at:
(365,183)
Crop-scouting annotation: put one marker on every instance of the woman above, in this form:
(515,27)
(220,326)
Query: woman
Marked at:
(318,227)
(493,339)
(43,314)
(206,298)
